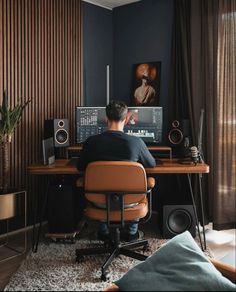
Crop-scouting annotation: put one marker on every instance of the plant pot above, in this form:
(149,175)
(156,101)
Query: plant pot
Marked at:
(8,206)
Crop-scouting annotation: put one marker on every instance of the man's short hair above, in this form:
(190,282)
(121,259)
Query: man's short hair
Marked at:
(116,111)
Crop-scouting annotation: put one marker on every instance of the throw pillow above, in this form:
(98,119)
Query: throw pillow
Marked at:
(180,265)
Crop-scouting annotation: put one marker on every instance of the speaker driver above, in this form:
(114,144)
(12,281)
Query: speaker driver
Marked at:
(61,124)
(175,124)
(175,136)
(61,136)
(179,221)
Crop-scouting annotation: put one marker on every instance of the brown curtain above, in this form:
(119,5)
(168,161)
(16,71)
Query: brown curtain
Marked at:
(224,181)
(203,59)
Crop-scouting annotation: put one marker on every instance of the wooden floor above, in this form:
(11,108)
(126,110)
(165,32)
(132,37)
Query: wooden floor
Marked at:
(8,268)
(223,245)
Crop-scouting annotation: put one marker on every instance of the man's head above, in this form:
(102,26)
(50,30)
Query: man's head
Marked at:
(116,112)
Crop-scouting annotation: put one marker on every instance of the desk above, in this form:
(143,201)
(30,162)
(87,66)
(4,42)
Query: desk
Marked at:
(64,166)
(168,166)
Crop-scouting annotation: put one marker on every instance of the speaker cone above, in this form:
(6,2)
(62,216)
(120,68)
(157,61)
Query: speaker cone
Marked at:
(61,136)
(175,136)
(179,221)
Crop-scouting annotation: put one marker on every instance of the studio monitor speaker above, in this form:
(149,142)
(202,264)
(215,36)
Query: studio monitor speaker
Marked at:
(59,130)
(179,137)
(177,219)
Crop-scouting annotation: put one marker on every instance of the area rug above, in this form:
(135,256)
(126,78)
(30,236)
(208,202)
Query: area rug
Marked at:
(53,268)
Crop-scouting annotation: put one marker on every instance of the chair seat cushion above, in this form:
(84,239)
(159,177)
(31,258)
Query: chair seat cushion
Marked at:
(136,212)
(179,265)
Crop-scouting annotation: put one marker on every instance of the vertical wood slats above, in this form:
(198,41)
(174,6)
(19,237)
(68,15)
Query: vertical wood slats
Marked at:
(40,59)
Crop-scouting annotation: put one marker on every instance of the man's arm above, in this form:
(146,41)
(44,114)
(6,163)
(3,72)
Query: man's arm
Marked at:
(84,157)
(145,157)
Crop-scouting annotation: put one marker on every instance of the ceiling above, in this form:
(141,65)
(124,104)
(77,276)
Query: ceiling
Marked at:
(110,4)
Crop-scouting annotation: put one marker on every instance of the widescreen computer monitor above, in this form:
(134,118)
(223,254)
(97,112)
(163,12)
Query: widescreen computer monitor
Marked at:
(143,122)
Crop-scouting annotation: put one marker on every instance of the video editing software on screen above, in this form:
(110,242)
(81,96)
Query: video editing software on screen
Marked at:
(145,122)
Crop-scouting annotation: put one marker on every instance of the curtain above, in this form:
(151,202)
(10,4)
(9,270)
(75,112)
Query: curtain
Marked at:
(224,181)
(203,77)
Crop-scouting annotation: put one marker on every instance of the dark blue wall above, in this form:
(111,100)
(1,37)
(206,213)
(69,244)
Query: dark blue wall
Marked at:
(97,51)
(130,34)
(142,33)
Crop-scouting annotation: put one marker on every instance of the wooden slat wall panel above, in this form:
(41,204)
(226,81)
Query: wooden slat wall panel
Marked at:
(40,58)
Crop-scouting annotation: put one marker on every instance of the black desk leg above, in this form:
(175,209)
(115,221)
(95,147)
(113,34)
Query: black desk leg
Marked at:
(35,207)
(202,209)
(195,210)
(35,244)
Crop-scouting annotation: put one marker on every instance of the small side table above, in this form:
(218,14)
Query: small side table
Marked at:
(10,207)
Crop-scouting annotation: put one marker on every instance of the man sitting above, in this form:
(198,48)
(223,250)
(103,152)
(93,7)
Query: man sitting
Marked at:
(115,145)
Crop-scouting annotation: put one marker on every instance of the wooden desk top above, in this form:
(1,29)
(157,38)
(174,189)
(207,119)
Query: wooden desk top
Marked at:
(64,166)
(161,148)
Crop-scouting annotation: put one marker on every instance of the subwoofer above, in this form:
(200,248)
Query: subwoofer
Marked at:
(179,137)
(177,219)
(59,130)
(62,213)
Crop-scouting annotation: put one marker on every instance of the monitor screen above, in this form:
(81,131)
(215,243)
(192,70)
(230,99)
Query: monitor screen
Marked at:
(143,122)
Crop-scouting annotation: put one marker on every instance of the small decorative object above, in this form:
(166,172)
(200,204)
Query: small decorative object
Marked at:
(146,89)
(9,119)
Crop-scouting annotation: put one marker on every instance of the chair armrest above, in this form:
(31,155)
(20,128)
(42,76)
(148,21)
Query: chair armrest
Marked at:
(151,182)
(226,270)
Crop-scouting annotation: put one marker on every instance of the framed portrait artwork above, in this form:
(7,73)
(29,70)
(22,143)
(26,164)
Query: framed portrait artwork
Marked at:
(146,84)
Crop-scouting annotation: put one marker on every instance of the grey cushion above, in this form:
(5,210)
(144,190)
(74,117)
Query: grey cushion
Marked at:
(179,265)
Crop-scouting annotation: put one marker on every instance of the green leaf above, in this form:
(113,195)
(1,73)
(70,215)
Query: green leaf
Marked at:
(10,118)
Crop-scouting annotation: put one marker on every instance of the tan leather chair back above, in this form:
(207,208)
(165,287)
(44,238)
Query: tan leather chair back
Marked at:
(115,176)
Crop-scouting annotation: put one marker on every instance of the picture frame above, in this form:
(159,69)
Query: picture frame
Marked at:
(146,84)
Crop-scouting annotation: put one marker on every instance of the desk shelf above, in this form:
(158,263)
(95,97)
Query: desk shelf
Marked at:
(73,151)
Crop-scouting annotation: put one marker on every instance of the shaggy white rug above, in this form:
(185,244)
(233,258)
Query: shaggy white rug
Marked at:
(53,268)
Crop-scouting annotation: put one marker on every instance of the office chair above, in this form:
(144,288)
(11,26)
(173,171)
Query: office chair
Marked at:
(117,192)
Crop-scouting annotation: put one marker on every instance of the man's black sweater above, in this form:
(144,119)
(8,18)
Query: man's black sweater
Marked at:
(115,146)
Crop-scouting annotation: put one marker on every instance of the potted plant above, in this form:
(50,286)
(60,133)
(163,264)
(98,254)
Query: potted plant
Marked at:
(9,119)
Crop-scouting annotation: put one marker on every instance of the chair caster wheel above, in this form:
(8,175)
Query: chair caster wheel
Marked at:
(105,277)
